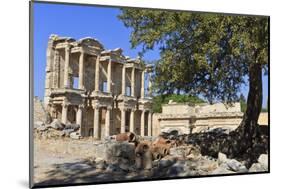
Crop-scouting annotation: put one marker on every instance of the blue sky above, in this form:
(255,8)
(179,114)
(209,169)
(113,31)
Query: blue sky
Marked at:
(85,21)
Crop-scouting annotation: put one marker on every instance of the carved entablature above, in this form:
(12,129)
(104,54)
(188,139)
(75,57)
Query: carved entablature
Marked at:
(133,65)
(101,104)
(86,50)
(60,42)
(90,42)
(115,55)
(134,62)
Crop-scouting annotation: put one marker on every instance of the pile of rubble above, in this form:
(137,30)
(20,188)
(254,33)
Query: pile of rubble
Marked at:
(161,157)
(56,129)
(165,156)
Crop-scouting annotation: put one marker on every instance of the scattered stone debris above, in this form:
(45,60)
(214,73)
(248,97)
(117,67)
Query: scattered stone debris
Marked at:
(261,165)
(56,129)
(164,156)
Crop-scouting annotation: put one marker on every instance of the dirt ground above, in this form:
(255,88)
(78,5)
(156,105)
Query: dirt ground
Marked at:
(63,161)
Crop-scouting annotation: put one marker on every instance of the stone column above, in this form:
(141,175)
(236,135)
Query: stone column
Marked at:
(79,118)
(109,76)
(66,66)
(123,120)
(64,113)
(142,84)
(149,86)
(96,123)
(107,122)
(56,70)
(142,122)
(132,121)
(149,128)
(97,75)
(123,80)
(133,82)
(81,70)
(53,111)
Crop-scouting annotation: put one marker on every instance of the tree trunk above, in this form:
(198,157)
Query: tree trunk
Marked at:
(248,127)
(245,143)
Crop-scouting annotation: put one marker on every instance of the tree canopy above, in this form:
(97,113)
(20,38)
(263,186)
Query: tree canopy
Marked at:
(201,53)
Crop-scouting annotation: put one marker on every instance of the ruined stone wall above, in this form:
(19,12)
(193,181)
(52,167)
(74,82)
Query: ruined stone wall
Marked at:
(220,107)
(199,118)
(177,108)
(155,124)
(61,69)
(200,125)
(174,108)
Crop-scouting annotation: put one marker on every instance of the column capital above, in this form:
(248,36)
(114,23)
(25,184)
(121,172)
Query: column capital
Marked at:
(81,106)
(52,105)
(65,104)
(109,107)
(82,51)
(56,52)
(124,108)
(97,106)
(67,47)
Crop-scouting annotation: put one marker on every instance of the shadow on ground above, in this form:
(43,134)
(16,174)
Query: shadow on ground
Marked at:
(82,172)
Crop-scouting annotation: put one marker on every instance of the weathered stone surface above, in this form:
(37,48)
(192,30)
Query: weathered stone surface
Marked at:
(176,169)
(261,165)
(221,170)
(100,163)
(190,152)
(116,153)
(67,132)
(257,167)
(201,117)
(38,124)
(42,128)
(120,150)
(263,160)
(48,118)
(113,168)
(222,158)
(75,127)
(75,135)
(56,124)
(236,166)
(166,162)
